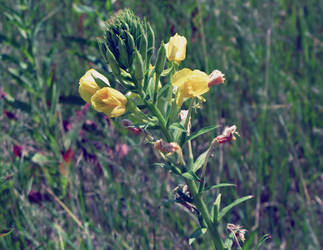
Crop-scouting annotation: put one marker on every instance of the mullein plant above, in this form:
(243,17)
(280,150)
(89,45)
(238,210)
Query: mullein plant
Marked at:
(155,109)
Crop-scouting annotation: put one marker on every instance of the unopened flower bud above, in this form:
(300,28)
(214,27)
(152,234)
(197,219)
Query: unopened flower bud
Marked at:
(138,73)
(216,77)
(151,41)
(176,48)
(127,123)
(161,58)
(112,62)
(143,45)
(135,131)
(123,54)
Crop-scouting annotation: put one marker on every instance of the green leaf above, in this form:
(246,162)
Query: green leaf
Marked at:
(229,241)
(81,41)
(177,126)
(81,8)
(219,186)
(5,232)
(18,104)
(196,234)
(262,240)
(170,167)
(4,179)
(163,90)
(200,132)
(39,159)
(249,242)
(166,72)
(191,176)
(216,208)
(188,175)
(226,209)
(24,81)
(199,161)
(164,203)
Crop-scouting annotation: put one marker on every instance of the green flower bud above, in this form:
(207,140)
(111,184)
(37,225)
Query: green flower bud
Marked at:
(161,58)
(143,44)
(151,42)
(130,46)
(123,53)
(138,64)
(113,62)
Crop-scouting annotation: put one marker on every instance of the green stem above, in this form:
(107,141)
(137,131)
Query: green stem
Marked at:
(197,197)
(200,204)
(161,119)
(156,88)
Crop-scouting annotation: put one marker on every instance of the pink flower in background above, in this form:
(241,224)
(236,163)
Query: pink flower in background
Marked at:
(35,197)
(18,150)
(2,94)
(9,114)
(85,108)
(68,155)
(122,149)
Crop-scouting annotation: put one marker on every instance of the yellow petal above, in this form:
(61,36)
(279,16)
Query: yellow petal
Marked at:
(88,85)
(109,101)
(180,77)
(197,84)
(176,48)
(180,42)
(179,97)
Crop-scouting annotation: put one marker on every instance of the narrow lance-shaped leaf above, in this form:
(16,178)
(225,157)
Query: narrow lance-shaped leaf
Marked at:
(226,209)
(219,186)
(6,232)
(151,43)
(262,240)
(199,161)
(216,208)
(200,132)
(123,54)
(196,234)
(191,176)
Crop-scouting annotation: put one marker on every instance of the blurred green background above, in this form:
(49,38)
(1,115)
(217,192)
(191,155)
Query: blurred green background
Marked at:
(54,151)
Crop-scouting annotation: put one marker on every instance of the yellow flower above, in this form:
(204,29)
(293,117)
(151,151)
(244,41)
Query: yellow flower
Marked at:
(190,84)
(176,48)
(109,101)
(88,86)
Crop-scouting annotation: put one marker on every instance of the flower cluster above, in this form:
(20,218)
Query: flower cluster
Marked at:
(107,100)
(127,46)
